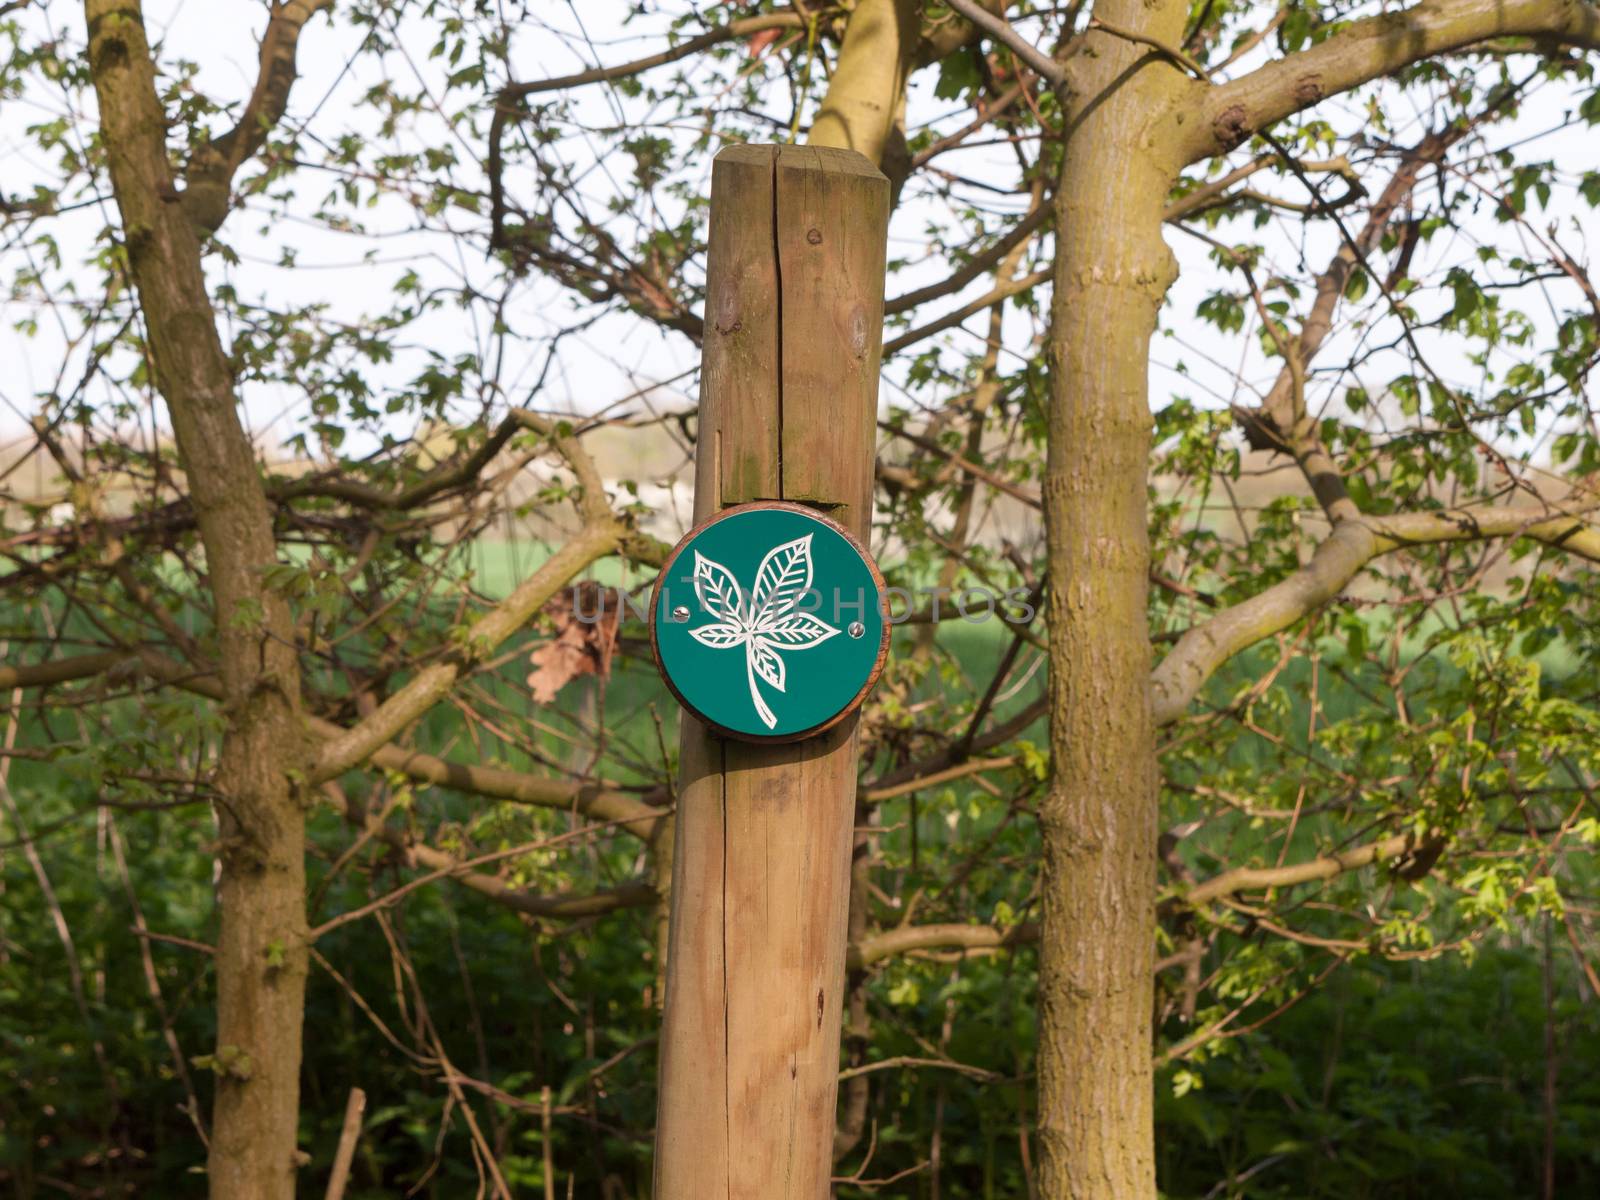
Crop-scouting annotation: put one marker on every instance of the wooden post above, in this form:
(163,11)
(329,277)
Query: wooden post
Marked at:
(760,881)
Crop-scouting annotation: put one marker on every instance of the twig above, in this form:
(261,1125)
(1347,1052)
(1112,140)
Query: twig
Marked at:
(1028,496)
(1160,47)
(870,1184)
(52,902)
(180,1063)
(1040,216)
(906,1061)
(877,795)
(1001,29)
(721,33)
(172,940)
(544,1138)
(388,899)
(939,324)
(949,142)
(354,1108)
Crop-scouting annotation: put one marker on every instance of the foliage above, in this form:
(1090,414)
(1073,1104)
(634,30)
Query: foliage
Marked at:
(462,315)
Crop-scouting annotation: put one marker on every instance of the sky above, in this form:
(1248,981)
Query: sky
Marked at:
(619,360)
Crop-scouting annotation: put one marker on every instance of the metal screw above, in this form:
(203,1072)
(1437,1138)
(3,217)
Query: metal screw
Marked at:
(856,629)
(680,614)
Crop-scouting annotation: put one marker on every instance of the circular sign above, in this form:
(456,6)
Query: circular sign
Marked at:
(768,622)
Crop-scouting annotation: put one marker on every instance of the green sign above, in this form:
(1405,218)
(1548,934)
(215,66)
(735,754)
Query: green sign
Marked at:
(769,622)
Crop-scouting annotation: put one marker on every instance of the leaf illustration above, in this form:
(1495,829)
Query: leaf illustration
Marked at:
(797,631)
(769,622)
(784,575)
(717,590)
(718,636)
(767,662)
(762,711)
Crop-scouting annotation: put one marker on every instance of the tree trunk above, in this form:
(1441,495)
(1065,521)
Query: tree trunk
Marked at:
(867,91)
(1099,820)
(261,946)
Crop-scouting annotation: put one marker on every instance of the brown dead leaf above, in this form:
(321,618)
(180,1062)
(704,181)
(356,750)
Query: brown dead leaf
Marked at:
(578,647)
(758,43)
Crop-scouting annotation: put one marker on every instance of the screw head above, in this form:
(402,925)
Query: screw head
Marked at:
(856,629)
(814,236)
(680,614)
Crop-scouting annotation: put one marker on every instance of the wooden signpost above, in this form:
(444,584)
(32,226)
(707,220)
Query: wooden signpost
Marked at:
(760,881)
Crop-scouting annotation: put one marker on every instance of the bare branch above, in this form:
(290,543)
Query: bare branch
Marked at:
(1558,526)
(911,938)
(937,937)
(732,31)
(623,809)
(565,906)
(961,752)
(443,478)
(602,534)
(61,670)
(627,811)
(349,1134)
(1372,48)
(947,1064)
(210,173)
(1214,193)
(1143,39)
(877,795)
(1288,422)
(1010,287)
(1028,496)
(987,113)
(1352,544)
(1242,879)
(1036,220)
(1002,31)
(644,295)
(448,866)
(430,685)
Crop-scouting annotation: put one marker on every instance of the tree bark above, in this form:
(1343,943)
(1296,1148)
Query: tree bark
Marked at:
(867,91)
(1099,820)
(261,946)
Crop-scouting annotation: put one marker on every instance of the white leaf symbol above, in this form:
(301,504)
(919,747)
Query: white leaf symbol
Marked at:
(771,621)
(767,663)
(717,590)
(718,636)
(798,631)
(782,578)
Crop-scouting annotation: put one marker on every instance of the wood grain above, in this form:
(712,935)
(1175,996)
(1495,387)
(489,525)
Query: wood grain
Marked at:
(755,969)
(831,238)
(740,382)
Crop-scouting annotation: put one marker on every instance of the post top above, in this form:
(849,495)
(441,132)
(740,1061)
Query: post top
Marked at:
(827,159)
